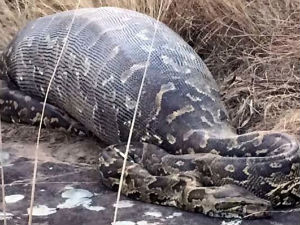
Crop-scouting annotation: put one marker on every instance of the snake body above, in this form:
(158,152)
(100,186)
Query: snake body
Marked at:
(184,152)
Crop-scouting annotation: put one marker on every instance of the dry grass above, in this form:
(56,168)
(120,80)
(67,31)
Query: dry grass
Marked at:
(251,46)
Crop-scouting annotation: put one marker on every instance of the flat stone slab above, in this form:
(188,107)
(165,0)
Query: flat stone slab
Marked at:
(69,191)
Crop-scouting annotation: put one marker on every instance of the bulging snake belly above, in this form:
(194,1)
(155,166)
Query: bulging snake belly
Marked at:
(184,151)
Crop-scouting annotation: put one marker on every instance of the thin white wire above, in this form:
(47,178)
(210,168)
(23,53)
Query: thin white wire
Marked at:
(2,178)
(134,116)
(42,116)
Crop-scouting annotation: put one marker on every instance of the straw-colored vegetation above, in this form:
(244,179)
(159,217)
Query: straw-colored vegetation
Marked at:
(252,47)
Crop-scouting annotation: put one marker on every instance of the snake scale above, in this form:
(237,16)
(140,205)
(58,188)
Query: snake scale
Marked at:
(184,152)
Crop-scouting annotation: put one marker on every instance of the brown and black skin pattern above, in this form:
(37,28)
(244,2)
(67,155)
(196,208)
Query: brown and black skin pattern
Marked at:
(17,107)
(184,151)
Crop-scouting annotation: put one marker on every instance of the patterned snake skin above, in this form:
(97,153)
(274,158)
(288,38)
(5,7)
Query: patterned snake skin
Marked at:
(184,152)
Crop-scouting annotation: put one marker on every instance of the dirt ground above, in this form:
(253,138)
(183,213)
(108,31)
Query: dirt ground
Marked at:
(55,146)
